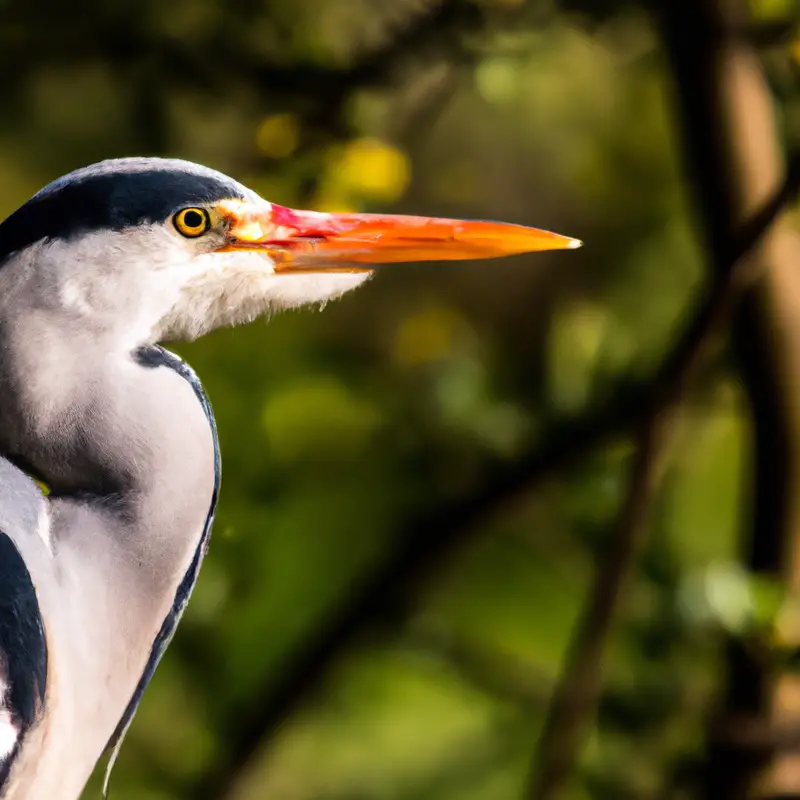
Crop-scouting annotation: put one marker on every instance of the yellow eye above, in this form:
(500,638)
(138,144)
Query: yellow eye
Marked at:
(192,222)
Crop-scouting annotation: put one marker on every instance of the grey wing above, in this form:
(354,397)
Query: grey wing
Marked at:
(23,647)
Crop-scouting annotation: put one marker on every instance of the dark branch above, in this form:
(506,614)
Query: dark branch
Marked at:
(731,163)
(422,545)
(695,56)
(218,63)
(575,700)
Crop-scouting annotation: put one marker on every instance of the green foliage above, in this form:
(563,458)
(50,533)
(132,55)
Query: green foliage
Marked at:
(337,428)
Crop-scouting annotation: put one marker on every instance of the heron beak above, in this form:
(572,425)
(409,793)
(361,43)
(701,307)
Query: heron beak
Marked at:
(311,241)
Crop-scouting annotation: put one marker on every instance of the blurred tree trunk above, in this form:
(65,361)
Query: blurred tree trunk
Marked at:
(732,147)
(761,705)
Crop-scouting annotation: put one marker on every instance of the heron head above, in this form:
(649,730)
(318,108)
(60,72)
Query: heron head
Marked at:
(162,249)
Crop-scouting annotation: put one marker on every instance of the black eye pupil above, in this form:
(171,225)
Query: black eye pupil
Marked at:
(193,219)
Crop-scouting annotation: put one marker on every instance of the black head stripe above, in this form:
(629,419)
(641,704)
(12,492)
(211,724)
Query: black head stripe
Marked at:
(114,195)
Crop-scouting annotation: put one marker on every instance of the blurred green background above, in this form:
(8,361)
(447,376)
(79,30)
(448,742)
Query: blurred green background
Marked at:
(342,430)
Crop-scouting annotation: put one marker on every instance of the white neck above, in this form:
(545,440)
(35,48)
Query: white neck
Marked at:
(131,457)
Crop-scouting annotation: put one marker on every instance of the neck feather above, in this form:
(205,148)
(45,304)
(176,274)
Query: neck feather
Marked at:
(128,441)
(154,357)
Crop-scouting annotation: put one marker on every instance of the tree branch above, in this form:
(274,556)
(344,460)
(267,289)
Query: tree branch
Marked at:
(416,551)
(124,38)
(695,53)
(576,696)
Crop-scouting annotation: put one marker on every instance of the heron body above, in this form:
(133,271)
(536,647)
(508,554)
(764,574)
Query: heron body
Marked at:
(95,271)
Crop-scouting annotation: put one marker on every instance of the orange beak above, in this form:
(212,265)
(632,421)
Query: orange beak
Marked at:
(311,241)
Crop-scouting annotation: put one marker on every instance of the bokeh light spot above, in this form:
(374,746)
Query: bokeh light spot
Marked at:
(278,135)
(497,80)
(772,9)
(426,336)
(373,169)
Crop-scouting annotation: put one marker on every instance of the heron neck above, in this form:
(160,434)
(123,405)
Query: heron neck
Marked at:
(92,419)
(126,442)
(125,562)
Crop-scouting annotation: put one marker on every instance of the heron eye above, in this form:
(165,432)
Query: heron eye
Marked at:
(192,222)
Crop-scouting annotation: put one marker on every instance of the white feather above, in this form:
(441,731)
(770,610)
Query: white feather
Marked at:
(9,732)
(150,284)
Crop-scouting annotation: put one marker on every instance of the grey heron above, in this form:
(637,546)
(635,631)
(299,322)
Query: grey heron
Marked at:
(96,271)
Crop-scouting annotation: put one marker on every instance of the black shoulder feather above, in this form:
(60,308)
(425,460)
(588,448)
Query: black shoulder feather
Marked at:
(23,647)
